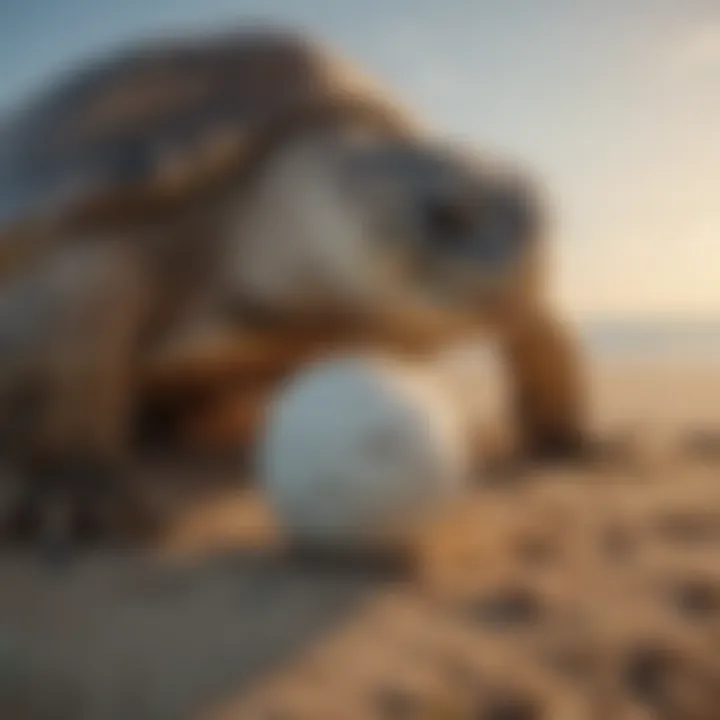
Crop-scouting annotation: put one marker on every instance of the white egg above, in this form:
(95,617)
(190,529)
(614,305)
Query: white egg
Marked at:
(361,450)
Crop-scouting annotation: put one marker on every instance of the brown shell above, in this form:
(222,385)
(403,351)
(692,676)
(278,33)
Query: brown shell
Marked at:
(162,122)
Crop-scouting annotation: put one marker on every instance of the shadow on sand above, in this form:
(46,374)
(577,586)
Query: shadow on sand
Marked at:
(121,636)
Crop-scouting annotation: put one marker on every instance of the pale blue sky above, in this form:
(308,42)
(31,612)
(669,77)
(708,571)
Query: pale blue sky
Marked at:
(615,103)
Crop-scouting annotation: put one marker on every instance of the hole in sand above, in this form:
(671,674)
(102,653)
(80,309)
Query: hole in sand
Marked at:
(698,599)
(508,607)
(646,672)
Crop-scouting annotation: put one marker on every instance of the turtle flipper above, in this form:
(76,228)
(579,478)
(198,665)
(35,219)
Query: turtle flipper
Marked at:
(79,504)
(550,396)
(67,384)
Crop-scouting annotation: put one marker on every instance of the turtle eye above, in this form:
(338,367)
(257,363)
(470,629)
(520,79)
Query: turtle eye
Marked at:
(446,221)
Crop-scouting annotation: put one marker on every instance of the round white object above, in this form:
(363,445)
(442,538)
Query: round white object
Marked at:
(359,450)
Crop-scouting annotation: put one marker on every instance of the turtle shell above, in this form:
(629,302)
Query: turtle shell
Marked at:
(162,122)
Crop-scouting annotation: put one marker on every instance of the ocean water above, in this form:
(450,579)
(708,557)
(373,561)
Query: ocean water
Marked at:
(653,340)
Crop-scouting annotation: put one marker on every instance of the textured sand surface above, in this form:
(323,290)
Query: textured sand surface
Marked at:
(553,593)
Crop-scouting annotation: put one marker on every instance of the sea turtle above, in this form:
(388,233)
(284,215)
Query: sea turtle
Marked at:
(250,186)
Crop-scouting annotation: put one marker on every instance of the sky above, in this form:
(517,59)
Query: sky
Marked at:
(613,104)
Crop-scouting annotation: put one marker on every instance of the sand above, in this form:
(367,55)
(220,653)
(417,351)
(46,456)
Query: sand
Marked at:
(554,592)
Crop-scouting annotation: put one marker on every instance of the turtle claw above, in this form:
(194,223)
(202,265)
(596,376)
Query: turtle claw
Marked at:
(62,512)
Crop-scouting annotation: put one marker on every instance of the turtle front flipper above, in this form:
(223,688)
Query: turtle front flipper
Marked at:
(549,395)
(67,391)
(69,504)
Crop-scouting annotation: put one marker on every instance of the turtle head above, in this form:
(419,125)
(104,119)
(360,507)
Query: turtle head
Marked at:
(464,231)
(356,221)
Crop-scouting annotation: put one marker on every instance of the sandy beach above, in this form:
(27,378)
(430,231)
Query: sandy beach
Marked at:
(555,592)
